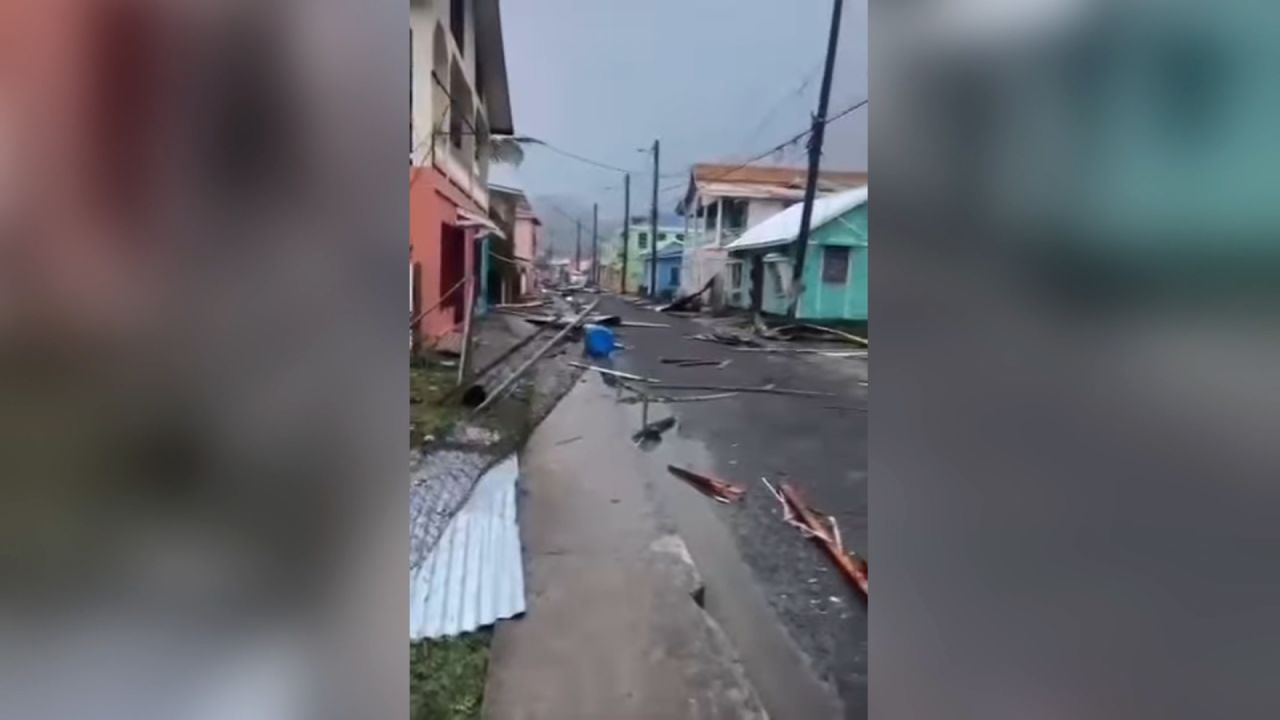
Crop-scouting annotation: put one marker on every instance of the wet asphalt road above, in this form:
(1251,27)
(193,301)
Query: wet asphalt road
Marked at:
(817,444)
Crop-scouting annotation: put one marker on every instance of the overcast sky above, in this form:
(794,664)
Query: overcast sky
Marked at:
(715,80)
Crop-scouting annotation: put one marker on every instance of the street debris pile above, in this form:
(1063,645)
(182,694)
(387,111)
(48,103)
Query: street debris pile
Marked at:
(797,513)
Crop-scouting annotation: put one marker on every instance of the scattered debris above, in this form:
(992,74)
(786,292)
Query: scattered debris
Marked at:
(520,306)
(693,362)
(568,441)
(614,373)
(676,398)
(718,490)
(806,351)
(854,568)
(687,301)
(638,324)
(838,333)
(766,389)
(724,337)
(524,367)
(475,435)
(472,387)
(652,432)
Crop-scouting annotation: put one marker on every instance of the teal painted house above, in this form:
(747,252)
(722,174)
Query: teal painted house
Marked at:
(759,268)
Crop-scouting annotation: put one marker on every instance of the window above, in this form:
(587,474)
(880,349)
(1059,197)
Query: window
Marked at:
(735,214)
(835,264)
(662,237)
(775,275)
(643,240)
(458,24)
(679,237)
(736,275)
(673,276)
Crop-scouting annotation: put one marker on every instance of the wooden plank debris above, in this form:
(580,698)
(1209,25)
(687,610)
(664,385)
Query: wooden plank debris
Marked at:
(719,490)
(854,568)
(838,333)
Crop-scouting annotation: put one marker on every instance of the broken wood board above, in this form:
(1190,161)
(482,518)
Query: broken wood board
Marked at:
(719,490)
(854,568)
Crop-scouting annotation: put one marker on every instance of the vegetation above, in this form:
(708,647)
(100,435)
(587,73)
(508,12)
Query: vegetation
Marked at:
(447,677)
(429,382)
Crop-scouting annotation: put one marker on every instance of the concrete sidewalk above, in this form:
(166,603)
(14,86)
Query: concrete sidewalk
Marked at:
(612,629)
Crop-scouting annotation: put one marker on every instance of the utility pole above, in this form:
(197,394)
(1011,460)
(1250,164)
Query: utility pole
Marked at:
(626,227)
(595,244)
(815,156)
(653,221)
(577,249)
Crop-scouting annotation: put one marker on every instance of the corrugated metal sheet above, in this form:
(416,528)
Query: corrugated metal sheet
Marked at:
(785,226)
(474,576)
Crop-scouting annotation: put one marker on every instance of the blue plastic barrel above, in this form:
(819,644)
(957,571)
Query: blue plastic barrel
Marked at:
(598,341)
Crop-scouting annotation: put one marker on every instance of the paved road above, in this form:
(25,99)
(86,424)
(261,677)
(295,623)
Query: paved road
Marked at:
(818,444)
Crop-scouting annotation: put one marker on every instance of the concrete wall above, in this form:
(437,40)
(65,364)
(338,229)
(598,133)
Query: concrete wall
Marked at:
(434,202)
(526,248)
(430,104)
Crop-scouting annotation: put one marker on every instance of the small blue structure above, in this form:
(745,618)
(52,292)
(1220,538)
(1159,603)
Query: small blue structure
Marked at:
(669,259)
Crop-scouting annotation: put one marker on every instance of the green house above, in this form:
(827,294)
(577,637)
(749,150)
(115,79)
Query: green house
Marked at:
(759,270)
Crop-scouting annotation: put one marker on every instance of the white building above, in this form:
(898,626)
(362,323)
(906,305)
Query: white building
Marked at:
(723,201)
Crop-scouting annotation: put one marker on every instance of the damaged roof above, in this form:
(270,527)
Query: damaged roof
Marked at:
(762,181)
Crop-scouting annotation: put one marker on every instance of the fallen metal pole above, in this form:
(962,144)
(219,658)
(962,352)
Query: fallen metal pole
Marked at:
(497,361)
(498,391)
(737,388)
(615,373)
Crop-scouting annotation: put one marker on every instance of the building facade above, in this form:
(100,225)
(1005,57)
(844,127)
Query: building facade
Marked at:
(458,99)
(759,267)
(723,201)
(639,241)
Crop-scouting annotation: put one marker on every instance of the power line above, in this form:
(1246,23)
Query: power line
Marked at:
(791,140)
(561,151)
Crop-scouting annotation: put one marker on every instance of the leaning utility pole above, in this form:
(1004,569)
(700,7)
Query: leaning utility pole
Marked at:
(626,227)
(577,250)
(653,221)
(815,155)
(595,244)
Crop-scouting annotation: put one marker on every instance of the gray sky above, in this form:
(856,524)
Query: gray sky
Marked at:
(716,80)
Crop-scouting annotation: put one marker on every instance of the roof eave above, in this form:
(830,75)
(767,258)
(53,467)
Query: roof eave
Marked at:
(489,45)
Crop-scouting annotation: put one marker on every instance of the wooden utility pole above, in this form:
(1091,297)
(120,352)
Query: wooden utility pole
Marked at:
(577,250)
(815,156)
(653,221)
(595,244)
(626,227)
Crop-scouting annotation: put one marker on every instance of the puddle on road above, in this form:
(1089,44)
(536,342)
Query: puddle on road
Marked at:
(783,677)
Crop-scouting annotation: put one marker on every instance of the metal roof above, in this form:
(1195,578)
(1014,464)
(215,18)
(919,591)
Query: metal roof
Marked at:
(762,181)
(474,576)
(785,226)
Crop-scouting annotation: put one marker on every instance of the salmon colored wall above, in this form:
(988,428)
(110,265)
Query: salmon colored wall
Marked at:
(434,200)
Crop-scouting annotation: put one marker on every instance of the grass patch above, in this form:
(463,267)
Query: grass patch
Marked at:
(428,383)
(446,677)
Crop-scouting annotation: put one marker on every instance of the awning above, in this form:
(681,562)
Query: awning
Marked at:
(468,219)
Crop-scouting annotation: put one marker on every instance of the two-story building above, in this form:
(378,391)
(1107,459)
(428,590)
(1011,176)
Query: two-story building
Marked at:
(518,220)
(637,237)
(458,100)
(723,201)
